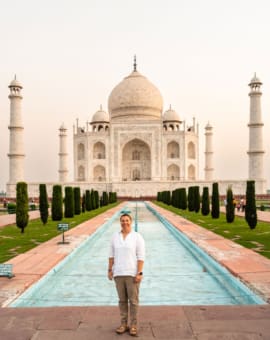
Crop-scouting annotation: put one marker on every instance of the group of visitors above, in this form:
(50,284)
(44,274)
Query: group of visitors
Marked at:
(239,204)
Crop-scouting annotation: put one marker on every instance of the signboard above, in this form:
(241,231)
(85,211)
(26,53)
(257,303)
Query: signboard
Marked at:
(6,270)
(62,226)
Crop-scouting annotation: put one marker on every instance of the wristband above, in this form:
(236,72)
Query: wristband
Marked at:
(140,273)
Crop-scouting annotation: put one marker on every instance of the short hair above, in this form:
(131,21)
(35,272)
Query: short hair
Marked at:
(125,214)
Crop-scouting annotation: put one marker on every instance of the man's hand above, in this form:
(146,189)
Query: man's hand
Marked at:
(110,274)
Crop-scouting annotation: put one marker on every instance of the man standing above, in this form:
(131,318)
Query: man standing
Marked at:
(126,259)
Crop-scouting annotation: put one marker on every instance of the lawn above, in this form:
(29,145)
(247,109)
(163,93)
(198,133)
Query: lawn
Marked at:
(257,239)
(13,242)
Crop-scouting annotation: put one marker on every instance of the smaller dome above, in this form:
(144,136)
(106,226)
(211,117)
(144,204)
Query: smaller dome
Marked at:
(15,83)
(100,116)
(171,115)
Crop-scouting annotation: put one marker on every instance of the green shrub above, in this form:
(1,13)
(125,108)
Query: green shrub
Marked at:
(250,211)
(96,198)
(77,200)
(83,203)
(21,206)
(183,199)
(43,203)
(205,202)
(57,203)
(230,206)
(197,199)
(69,202)
(191,199)
(87,200)
(215,206)
(11,208)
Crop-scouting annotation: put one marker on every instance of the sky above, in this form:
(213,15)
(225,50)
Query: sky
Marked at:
(70,54)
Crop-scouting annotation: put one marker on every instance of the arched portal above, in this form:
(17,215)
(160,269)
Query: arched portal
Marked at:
(99,173)
(191,172)
(136,161)
(173,172)
(99,151)
(173,150)
(191,150)
(81,173)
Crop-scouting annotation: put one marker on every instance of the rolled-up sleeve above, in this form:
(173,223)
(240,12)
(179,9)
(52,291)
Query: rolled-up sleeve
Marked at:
(140,248)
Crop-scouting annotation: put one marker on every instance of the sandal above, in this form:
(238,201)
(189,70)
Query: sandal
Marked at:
(133,330)
(122,329)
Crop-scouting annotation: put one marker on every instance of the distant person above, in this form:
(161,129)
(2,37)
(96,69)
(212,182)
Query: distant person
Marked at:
(126,260)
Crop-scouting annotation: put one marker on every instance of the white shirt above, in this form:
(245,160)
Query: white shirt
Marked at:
(126,252)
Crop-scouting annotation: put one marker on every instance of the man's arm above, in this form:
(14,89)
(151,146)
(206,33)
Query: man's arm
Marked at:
(110,265)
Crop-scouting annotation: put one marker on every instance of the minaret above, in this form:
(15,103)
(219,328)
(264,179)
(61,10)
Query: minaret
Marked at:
(63,154)
(255,152)
(16,146)
(208,170)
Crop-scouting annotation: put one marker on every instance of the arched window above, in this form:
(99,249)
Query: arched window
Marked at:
(81,151)
(191,150)
(173,150)
(81,173)
(135,155)
(99,151)
(191,172)
(99,173)
(173,172)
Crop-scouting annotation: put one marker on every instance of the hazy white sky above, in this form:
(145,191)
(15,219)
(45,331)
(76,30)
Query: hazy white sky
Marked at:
(69,54)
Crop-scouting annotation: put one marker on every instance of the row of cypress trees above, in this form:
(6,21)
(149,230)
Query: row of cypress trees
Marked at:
(73,203)
(193,202)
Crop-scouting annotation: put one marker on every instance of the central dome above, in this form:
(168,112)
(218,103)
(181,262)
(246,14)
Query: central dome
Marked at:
(135,98)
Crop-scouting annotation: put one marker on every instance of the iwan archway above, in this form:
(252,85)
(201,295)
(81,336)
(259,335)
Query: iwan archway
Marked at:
(136,161)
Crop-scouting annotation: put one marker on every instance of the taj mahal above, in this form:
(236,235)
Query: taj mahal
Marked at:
(136,148)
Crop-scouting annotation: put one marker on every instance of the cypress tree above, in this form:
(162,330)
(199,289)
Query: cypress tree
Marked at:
(83,203)
(215,209)
(77,201)
(57,203)
(104,198)
(250,210)
(230,208)
(197,199)
(21,206)
(69,202)
(191,198)
(184,199)
(87,200)
(96,198)
(93,200)
(43,203)
(205,202)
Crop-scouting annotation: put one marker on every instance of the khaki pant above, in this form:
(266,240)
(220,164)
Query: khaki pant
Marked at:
(128,291)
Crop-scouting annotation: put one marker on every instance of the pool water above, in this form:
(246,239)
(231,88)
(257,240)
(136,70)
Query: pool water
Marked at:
(176,272)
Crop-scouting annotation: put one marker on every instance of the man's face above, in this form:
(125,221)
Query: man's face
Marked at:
(125,223)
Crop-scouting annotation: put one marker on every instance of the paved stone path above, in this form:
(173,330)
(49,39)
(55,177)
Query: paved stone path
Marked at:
(157,322)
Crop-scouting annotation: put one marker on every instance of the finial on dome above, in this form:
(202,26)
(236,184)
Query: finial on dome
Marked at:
(170,106)
(135,64)
(100,107)
(15,76)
